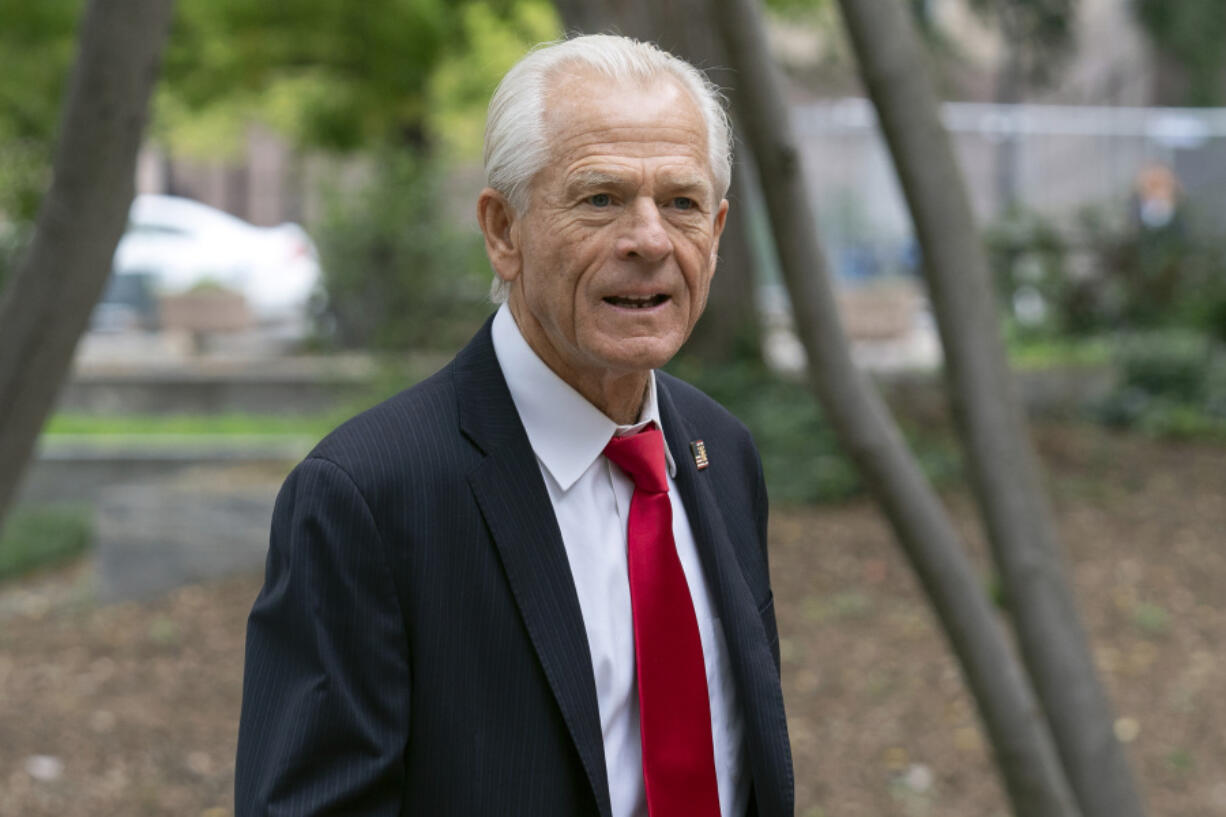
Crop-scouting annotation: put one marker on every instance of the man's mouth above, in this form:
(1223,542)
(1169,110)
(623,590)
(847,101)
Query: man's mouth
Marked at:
(635,302)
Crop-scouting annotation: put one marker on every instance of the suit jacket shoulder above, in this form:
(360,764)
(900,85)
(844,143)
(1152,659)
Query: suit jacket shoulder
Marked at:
(409,427)
(410,460)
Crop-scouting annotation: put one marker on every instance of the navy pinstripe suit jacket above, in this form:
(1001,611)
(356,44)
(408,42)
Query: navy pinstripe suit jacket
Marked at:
(418,648)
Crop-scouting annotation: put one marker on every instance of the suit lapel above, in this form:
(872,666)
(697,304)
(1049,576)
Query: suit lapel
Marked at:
(749,652)
(511,493)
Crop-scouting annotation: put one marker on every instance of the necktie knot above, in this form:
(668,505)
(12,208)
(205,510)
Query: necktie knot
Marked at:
(641,456)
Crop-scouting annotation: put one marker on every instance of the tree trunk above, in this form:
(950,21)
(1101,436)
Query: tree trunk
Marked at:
(1024,752)
(1008,149)
(729,326)
(587,16)
(1003,470)
(48,301)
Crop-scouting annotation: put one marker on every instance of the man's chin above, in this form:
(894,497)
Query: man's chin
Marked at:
(638,354)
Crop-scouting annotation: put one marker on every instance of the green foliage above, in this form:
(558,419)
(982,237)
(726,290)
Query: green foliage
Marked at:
(1039,32)
(25,172)
(225,424)
(388,378)
(1191,32)
(1034,351)
(800,453)
(35,537)
(460,87)
(1167,278)
(13,238)
(403,81)
(1169,419)
(37,47)
(801,8)
(1172,384)
(1169,364)
(1028,257)
(341,76)
(361,67)
(398,272)
(1100,277)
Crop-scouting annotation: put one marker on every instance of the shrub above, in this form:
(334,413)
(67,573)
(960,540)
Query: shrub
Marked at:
(801,457)
(398,271)
(1171,364)
(1028,257)
(1172,383)
(13,238)
(1107,275)
(41,537)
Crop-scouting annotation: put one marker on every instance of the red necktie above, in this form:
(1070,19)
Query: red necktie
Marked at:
(674,712)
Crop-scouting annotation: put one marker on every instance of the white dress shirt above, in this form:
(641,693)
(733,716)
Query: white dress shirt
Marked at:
(591,499)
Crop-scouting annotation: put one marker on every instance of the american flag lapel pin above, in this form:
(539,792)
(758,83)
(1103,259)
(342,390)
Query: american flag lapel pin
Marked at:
(699,450)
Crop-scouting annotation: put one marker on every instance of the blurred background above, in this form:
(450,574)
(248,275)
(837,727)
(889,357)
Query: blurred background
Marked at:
(303,244)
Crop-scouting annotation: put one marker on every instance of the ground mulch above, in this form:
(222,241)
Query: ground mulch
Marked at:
(131,709)
(881,724)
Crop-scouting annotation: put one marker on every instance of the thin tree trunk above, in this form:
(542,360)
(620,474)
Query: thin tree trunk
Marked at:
(730,328)
(1008,149)
(1024,752)
(729,325)
(587,16)
(1003,469)
(47,303)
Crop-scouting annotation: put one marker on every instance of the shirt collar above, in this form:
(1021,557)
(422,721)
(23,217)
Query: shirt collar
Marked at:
(567,432)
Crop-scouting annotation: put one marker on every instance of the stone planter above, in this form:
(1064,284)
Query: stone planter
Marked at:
(205,312)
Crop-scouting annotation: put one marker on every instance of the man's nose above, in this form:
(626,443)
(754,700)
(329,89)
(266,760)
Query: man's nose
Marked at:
(645,236)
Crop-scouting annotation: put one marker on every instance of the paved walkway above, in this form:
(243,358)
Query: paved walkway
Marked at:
(204,524)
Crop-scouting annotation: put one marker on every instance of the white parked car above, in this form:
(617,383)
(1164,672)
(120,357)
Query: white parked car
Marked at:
(174,244)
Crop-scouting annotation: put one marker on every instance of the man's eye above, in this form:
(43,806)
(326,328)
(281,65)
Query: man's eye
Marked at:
(600,200)
(683,203)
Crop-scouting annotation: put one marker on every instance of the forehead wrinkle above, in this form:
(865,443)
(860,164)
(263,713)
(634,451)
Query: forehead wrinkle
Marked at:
(600,143)
(559,92)
(561,110)
(662,153)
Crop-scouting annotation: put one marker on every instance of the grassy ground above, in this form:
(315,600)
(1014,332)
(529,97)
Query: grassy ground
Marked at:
(230,423)
(139,702)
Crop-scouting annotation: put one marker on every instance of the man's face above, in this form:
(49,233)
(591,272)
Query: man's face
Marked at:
(616,250)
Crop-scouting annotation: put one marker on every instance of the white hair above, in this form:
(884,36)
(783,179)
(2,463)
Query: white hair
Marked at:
(516,147)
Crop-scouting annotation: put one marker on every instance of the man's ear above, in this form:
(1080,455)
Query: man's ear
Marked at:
(721,216)
(500,226)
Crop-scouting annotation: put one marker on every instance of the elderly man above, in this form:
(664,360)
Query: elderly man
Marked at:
(536,583)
